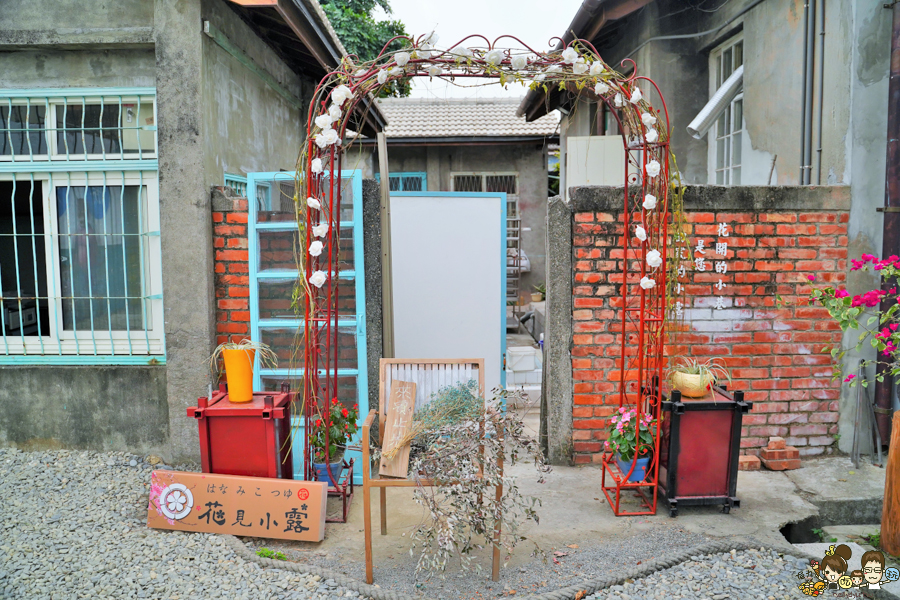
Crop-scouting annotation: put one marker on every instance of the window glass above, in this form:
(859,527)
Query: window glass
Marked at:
(88,129)
(101,257)
(22,130)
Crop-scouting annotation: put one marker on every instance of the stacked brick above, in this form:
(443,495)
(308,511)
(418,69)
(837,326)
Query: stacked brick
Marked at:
(229,216)
(778,456)
(775,345)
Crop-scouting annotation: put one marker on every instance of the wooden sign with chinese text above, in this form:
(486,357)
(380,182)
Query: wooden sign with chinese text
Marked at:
(251,506)
(400,411)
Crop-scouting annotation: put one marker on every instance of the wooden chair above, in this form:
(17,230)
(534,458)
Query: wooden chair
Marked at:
(429,376)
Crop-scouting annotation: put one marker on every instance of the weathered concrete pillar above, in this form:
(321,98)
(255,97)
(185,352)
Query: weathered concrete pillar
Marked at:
(185,225)
(558,335)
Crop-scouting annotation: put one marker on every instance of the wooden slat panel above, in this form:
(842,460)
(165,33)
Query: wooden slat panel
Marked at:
(399,421)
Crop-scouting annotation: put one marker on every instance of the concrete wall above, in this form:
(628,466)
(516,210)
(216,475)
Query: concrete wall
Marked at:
(98,408)
(857,44)
(529,161)
(249,127)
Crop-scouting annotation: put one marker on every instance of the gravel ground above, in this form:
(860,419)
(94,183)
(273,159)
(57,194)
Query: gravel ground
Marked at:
(748,575)
(73,525)
(564,566)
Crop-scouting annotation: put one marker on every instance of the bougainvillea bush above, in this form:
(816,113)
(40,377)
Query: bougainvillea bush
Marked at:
(878,328)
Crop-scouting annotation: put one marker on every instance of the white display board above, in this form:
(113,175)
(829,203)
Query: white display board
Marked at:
(448,259)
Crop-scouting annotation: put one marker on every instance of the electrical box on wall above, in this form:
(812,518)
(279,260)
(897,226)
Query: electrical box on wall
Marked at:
(594,160)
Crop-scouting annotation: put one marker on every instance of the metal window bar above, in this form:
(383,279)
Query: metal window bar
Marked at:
(405,182)
(40,134)
(238,183)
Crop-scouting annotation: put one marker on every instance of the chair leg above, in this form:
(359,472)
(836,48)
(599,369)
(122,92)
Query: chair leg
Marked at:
(383,510)
(367,527)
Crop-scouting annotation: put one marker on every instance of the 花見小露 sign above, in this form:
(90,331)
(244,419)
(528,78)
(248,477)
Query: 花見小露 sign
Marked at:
(251,506)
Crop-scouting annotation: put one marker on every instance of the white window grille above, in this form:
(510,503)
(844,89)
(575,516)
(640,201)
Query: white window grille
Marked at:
(80,278)
(725,152)
(490,182)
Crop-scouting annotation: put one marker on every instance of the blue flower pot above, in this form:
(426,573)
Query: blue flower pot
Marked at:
(640,469)
(322,471)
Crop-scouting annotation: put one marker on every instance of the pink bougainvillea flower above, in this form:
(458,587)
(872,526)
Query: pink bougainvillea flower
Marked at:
(849,377)
(841,293)
(893,326)
(811,277)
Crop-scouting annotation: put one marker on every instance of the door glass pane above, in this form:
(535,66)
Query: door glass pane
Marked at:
(22,130)
(283,299)
(101,256)
(283,341)
(736,176)
(726,64)
(738,54)
(276,249)
(720,178)
(275,201)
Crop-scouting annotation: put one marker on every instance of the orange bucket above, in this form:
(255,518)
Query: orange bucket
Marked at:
(239,374)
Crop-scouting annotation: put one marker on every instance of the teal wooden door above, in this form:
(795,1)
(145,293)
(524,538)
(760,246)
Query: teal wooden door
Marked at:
(276,310)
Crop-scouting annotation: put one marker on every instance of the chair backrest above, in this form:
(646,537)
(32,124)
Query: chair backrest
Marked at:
(429,375)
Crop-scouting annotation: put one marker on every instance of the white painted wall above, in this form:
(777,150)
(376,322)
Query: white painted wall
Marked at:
(448,262)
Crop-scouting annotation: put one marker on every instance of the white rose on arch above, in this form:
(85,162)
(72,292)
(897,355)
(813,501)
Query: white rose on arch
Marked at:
(327,138)
(315,248)
(323,121)
(320,230)
(601,88)
(434,71)
(648,119)
(636,96)
(618,101)
(654,258)
(580,66)
(316,165)
(462,52)
(652,168)
(570,55)
(313,203)
(318,278)
(382,76)
(341,94)
(494,57)
(334,111)
(401,58)
(647,283)
(649,202)
(651,136)
(519,62)
(640,233)
(597,68)
(395,71)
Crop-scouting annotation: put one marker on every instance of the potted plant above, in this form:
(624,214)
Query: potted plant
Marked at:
(695,379)
(238,359)
(632,442)
(331,430)
(539,293)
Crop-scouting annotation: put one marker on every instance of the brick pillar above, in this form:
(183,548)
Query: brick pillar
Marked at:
(232,284)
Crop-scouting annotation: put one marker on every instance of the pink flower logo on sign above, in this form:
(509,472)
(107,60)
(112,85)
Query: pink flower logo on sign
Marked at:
(176,501)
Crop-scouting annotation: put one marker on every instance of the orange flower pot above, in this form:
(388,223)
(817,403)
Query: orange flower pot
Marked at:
(239,374)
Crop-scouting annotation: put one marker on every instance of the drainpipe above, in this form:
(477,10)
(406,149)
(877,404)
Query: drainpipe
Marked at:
(806,99)
(891,232)
(821,92)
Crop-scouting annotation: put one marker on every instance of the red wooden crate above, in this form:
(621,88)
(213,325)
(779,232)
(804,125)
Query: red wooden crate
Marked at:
(250,438)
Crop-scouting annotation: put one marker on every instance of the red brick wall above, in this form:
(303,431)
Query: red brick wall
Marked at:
(229,217)
(778,353)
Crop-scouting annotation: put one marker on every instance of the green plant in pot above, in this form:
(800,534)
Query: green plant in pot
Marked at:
(332,428)
(540,292)
(695,379)
(632,440)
